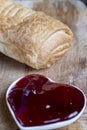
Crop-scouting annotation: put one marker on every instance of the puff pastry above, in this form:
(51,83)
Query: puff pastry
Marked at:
(32,37)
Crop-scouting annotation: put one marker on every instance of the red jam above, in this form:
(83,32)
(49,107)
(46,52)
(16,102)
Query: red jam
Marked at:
(37,101)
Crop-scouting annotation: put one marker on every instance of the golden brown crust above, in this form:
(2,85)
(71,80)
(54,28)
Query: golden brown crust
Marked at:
(32,37)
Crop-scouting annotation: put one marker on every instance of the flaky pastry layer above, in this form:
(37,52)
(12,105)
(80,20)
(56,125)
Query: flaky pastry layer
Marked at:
(32,37)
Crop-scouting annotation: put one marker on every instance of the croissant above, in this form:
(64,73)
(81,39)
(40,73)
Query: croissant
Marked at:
(32,37)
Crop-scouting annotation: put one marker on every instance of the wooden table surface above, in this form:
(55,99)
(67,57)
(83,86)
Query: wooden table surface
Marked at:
(72,68)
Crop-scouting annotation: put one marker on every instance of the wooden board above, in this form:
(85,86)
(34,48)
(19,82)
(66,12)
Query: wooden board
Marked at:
(72,68)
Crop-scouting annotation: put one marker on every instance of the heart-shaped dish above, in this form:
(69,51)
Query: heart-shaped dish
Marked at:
(38,103)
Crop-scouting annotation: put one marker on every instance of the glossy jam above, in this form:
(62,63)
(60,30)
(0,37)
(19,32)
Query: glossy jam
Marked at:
(37,101)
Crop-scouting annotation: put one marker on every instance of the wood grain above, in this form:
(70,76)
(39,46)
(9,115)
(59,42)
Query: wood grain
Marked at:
(71,69)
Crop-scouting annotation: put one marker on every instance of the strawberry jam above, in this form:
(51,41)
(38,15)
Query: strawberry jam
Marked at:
(35,100)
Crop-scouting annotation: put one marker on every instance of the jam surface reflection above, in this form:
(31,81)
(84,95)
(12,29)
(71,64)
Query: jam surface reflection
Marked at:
(35,100)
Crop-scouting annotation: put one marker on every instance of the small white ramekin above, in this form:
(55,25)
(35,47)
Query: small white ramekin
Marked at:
(44,127)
